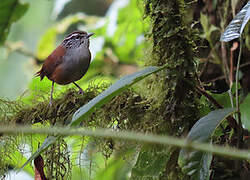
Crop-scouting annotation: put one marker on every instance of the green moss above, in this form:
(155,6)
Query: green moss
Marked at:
(60,112)
(172,92)
(57,161)
(125,111)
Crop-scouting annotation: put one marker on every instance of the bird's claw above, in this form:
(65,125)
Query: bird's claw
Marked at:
(81,92)
(50,103)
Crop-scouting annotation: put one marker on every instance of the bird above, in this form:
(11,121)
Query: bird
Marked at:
(69,62)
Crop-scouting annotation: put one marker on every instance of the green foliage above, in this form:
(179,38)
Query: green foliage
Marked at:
(97,102)
(172,91)
(126,41)
(47,43)
(112,91)
(194,163)
(12,149)
(123,45)
(117,169)
(151,162)
(208,28)
(10,12)
(244,109)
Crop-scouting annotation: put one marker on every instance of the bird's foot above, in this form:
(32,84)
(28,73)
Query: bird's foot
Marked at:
(80,89)
(81,92)
(50,103)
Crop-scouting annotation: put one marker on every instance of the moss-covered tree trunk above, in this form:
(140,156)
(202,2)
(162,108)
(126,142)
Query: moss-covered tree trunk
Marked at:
(172,91)
(171,106)
(173,44)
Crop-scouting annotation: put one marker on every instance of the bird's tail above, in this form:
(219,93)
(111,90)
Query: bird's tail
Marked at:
(40,73)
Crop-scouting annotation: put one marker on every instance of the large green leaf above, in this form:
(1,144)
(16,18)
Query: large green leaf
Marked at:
(237,25)
(196,163)
(111,92)
(98,101)
(10,11)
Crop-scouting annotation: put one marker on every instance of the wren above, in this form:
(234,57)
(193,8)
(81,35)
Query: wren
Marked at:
(69,62)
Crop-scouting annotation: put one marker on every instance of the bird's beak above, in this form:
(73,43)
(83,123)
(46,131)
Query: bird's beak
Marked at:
(90,34)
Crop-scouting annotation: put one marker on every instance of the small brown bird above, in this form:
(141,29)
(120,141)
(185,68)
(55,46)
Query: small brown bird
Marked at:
(68,62)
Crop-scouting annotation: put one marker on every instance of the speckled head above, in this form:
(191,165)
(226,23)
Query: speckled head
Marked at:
(76,39)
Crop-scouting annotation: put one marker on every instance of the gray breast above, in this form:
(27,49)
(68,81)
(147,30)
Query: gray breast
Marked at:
(76,62)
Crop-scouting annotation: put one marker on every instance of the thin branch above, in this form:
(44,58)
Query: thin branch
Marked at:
(131,136)
(232,49)
(231,79)
(232,122)
(224,60)
(237,78)
(240,133)
(209,97)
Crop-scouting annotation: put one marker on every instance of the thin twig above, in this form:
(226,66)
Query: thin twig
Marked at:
(240,136)
(224,60)
(232,122)
(232,49)
(231,79)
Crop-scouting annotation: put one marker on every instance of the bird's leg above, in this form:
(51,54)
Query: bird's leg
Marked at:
(80,89)
(51,94)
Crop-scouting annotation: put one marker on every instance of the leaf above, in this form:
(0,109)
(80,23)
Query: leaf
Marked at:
(207,27)
(204,127)
(111,92)
(237,25)
(195,163)
(98,101)
(205,166)
(10,12)
(245,113)
(48,142)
